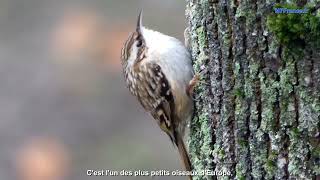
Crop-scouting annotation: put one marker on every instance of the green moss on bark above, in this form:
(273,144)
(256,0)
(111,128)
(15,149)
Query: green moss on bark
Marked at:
(258,112)
(293,30)
(200,139)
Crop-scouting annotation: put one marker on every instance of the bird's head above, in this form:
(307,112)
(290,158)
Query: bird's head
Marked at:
(134,49)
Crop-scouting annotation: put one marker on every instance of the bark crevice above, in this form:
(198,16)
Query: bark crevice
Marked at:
(257,119)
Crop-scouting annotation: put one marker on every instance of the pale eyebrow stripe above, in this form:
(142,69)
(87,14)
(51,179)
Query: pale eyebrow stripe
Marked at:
(127,46)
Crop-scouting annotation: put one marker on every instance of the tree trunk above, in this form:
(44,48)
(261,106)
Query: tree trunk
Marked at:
(258,101)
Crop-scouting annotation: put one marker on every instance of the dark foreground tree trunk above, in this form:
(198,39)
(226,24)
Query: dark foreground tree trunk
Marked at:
(258,102)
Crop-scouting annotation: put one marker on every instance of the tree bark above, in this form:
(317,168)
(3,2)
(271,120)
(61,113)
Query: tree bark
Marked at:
(257,102)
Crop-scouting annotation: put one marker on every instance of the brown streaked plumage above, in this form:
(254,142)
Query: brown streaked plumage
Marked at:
(157,70)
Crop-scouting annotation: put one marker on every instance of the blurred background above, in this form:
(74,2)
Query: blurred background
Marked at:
(64,107)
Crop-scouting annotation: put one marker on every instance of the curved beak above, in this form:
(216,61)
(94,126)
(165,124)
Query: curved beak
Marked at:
(139,23)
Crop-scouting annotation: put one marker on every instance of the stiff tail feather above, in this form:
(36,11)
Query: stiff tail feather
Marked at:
(184,154)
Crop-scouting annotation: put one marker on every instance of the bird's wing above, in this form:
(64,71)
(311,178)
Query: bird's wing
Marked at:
(160,102)
(155,95)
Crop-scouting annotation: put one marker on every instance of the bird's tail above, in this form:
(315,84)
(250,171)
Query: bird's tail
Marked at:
(183,154)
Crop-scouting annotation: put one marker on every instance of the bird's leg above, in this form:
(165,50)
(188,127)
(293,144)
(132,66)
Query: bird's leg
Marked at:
(192,84)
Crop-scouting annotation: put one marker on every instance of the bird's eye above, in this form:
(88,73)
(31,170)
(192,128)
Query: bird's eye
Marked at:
(139,43)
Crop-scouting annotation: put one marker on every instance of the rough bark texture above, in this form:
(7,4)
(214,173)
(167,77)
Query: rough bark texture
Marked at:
(258,104)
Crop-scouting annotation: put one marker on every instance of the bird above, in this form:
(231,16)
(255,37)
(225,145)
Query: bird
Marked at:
(158,70)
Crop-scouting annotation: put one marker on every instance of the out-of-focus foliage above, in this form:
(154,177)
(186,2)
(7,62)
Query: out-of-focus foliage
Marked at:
(60,79)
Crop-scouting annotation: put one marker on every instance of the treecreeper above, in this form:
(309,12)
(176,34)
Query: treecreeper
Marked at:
(158,70)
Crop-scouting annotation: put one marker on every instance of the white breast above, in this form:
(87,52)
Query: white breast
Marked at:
(175,62)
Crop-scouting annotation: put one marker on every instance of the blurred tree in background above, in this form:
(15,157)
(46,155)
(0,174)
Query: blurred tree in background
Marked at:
(63,101)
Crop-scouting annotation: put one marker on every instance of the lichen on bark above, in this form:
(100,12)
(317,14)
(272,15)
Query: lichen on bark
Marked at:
(257,104)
